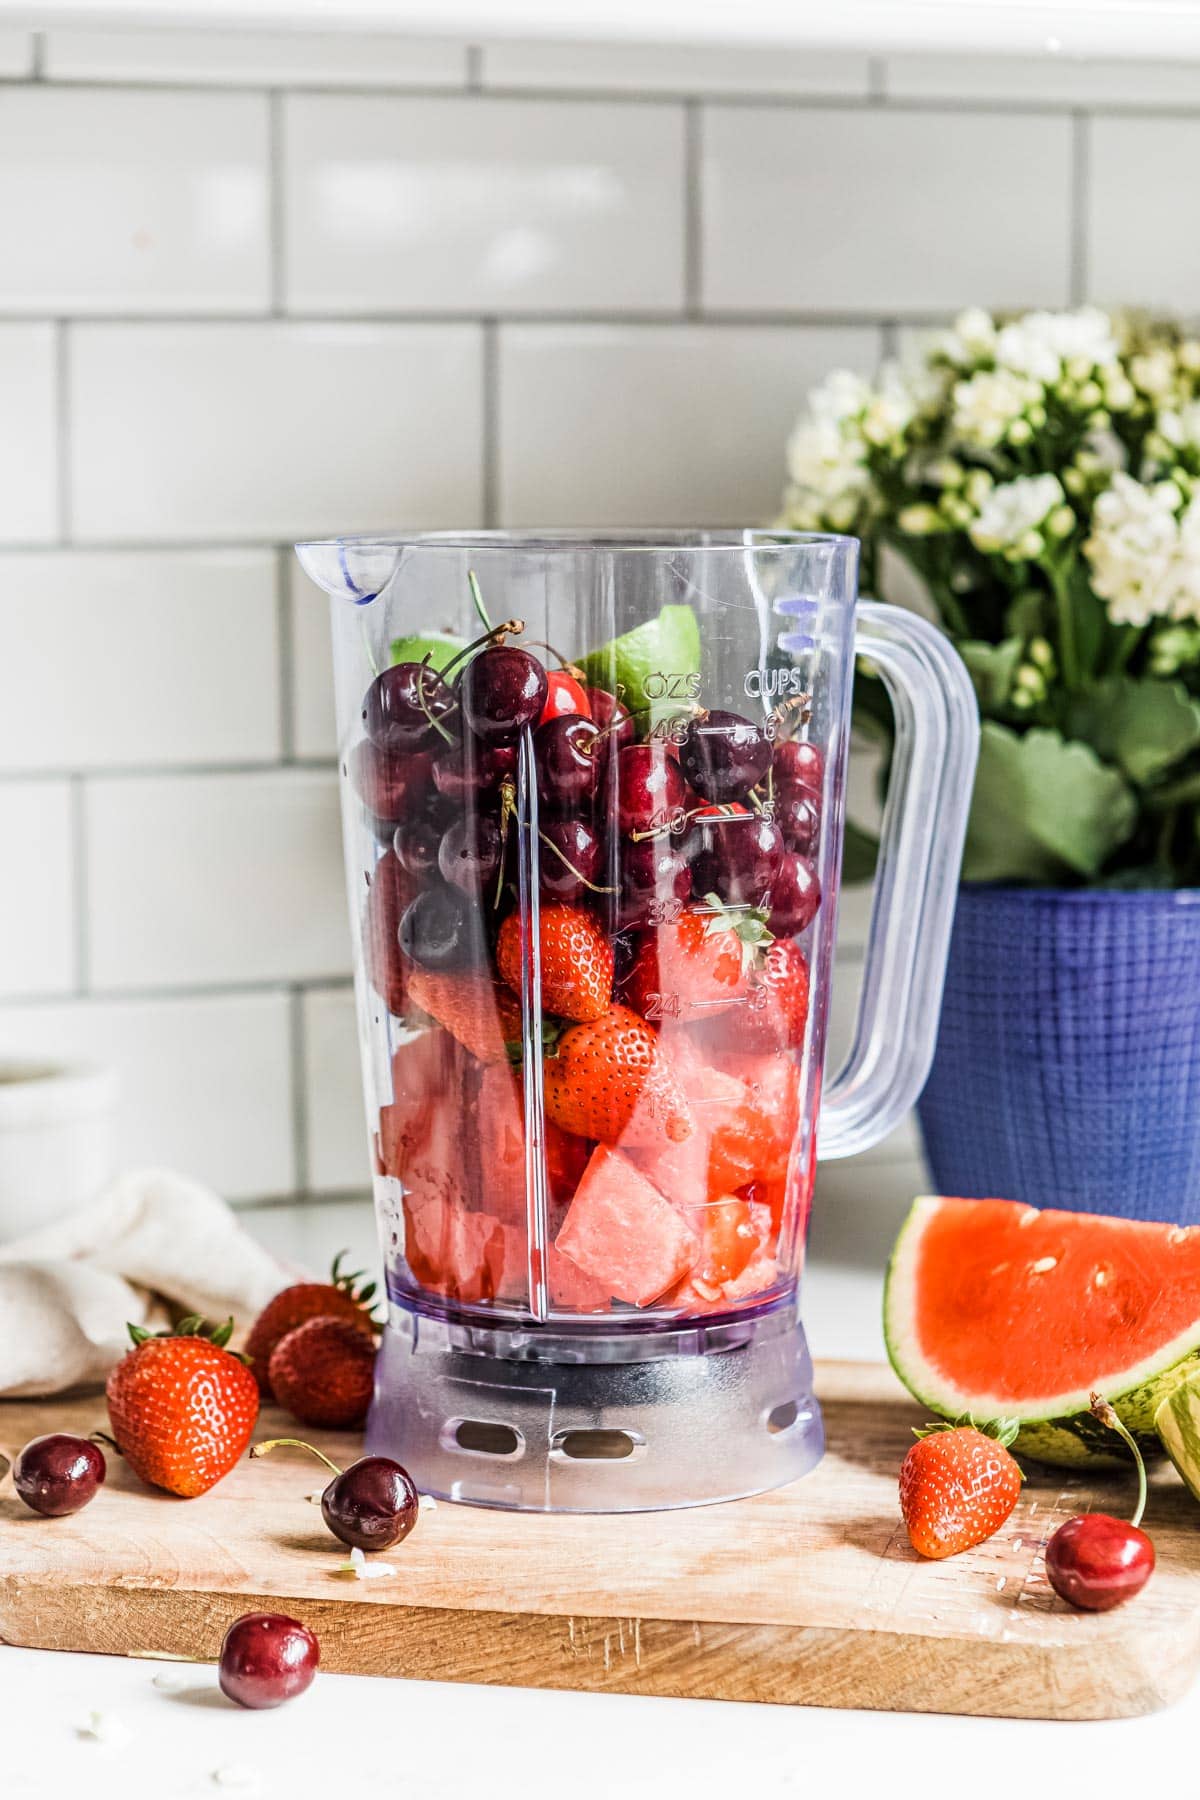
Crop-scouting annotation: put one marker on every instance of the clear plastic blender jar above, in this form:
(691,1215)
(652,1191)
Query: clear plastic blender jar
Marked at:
(593,891)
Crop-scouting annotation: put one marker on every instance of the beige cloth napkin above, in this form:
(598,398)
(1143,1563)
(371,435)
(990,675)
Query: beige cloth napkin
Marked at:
(68,1291)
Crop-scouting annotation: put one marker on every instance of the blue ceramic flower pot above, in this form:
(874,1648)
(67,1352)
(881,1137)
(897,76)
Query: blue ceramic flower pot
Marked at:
(1067,1070)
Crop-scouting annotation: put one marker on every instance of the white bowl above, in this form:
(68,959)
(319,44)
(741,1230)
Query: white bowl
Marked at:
(55,1140)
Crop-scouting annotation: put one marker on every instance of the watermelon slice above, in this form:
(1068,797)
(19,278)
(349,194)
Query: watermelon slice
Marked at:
(623,1233)
(996,1309)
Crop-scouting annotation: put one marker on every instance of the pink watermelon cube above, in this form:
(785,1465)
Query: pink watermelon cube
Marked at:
(623,1233)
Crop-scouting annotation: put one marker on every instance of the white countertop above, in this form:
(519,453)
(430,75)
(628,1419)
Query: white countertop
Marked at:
(352,1736)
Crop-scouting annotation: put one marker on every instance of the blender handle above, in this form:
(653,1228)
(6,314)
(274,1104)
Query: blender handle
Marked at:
(916,881)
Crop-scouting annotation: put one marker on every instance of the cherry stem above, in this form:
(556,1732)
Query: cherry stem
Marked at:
(579,876)
(109,1443)
(268,1444)
(1101,1410)
(494,633)
(570,668)
(477,597)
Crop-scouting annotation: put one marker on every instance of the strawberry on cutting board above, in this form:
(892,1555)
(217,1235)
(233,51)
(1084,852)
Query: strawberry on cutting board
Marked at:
(338,1298)
(958,1484)
(576,958)
(323,1372)
(182,1407)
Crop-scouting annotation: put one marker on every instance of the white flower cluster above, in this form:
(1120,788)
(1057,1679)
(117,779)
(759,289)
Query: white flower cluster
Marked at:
(1047,436)
(1018,518)
(1144,551)
(828,455)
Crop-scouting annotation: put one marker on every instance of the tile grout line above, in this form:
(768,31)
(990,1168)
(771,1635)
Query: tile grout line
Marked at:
(187,993)
(474,69)
(877,81)
(746,99)
(693,209)
(490,412)
(160,771)
(285,654)
(37,62)
(1080,199)
(298,1048)
(80,924)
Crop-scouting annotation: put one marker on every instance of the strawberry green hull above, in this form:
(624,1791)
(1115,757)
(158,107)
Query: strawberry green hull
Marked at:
(994,1309)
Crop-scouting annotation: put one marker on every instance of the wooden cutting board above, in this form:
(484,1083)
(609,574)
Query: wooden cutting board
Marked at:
(810,1595)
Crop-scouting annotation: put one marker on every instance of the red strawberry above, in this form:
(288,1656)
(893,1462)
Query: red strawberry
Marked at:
(698,964)
(776,1010)
(336,1298)
(182,1406)
(480,1012)
(958,1484)
(613,1080)
(576,957)
(324,1372)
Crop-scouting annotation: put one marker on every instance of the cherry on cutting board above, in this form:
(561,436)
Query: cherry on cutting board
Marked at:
(267,1658)
(1095,1561)
(371,1505)
(59,1473)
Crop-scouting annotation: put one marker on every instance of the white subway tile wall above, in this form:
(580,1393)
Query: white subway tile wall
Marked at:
(275,284)
(668,438)
(475,205)
(29,435)
(114,200)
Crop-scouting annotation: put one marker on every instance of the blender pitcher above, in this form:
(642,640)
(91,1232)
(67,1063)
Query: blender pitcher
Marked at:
(593,891)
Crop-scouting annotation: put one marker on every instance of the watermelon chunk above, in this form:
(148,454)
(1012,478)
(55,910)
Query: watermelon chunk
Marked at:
(623,1233)
(999,1310)
(736,1139)
(498,1171)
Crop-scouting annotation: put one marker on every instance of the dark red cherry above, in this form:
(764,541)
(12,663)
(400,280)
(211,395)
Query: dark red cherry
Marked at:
(723,755)
(739,859)
(651,792)
(57,1474)
(612,718)
(372,1505)
(417,846)
(390,787)
(390,890)
(404,706)
(267,1658)
(470,854)
(501,690)
(795,895)
(441,929)
(799,764)
(654,868)
(568,762)
(1096,1561)
(798,816)
(569,857)
(471,771)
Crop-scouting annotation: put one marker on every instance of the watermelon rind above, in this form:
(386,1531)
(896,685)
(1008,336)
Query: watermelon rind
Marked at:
(1054,1428)
(1177,1422)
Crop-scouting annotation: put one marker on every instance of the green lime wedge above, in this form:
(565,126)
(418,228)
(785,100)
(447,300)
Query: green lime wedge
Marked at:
(438,646)
(654,669)
(1177,1423)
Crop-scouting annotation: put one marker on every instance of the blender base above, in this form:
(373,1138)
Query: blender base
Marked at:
(541,1419)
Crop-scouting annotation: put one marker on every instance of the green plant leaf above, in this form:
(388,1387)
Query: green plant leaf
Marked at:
(991,667)
(1144,727)
(1044,809)
(1025,617)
